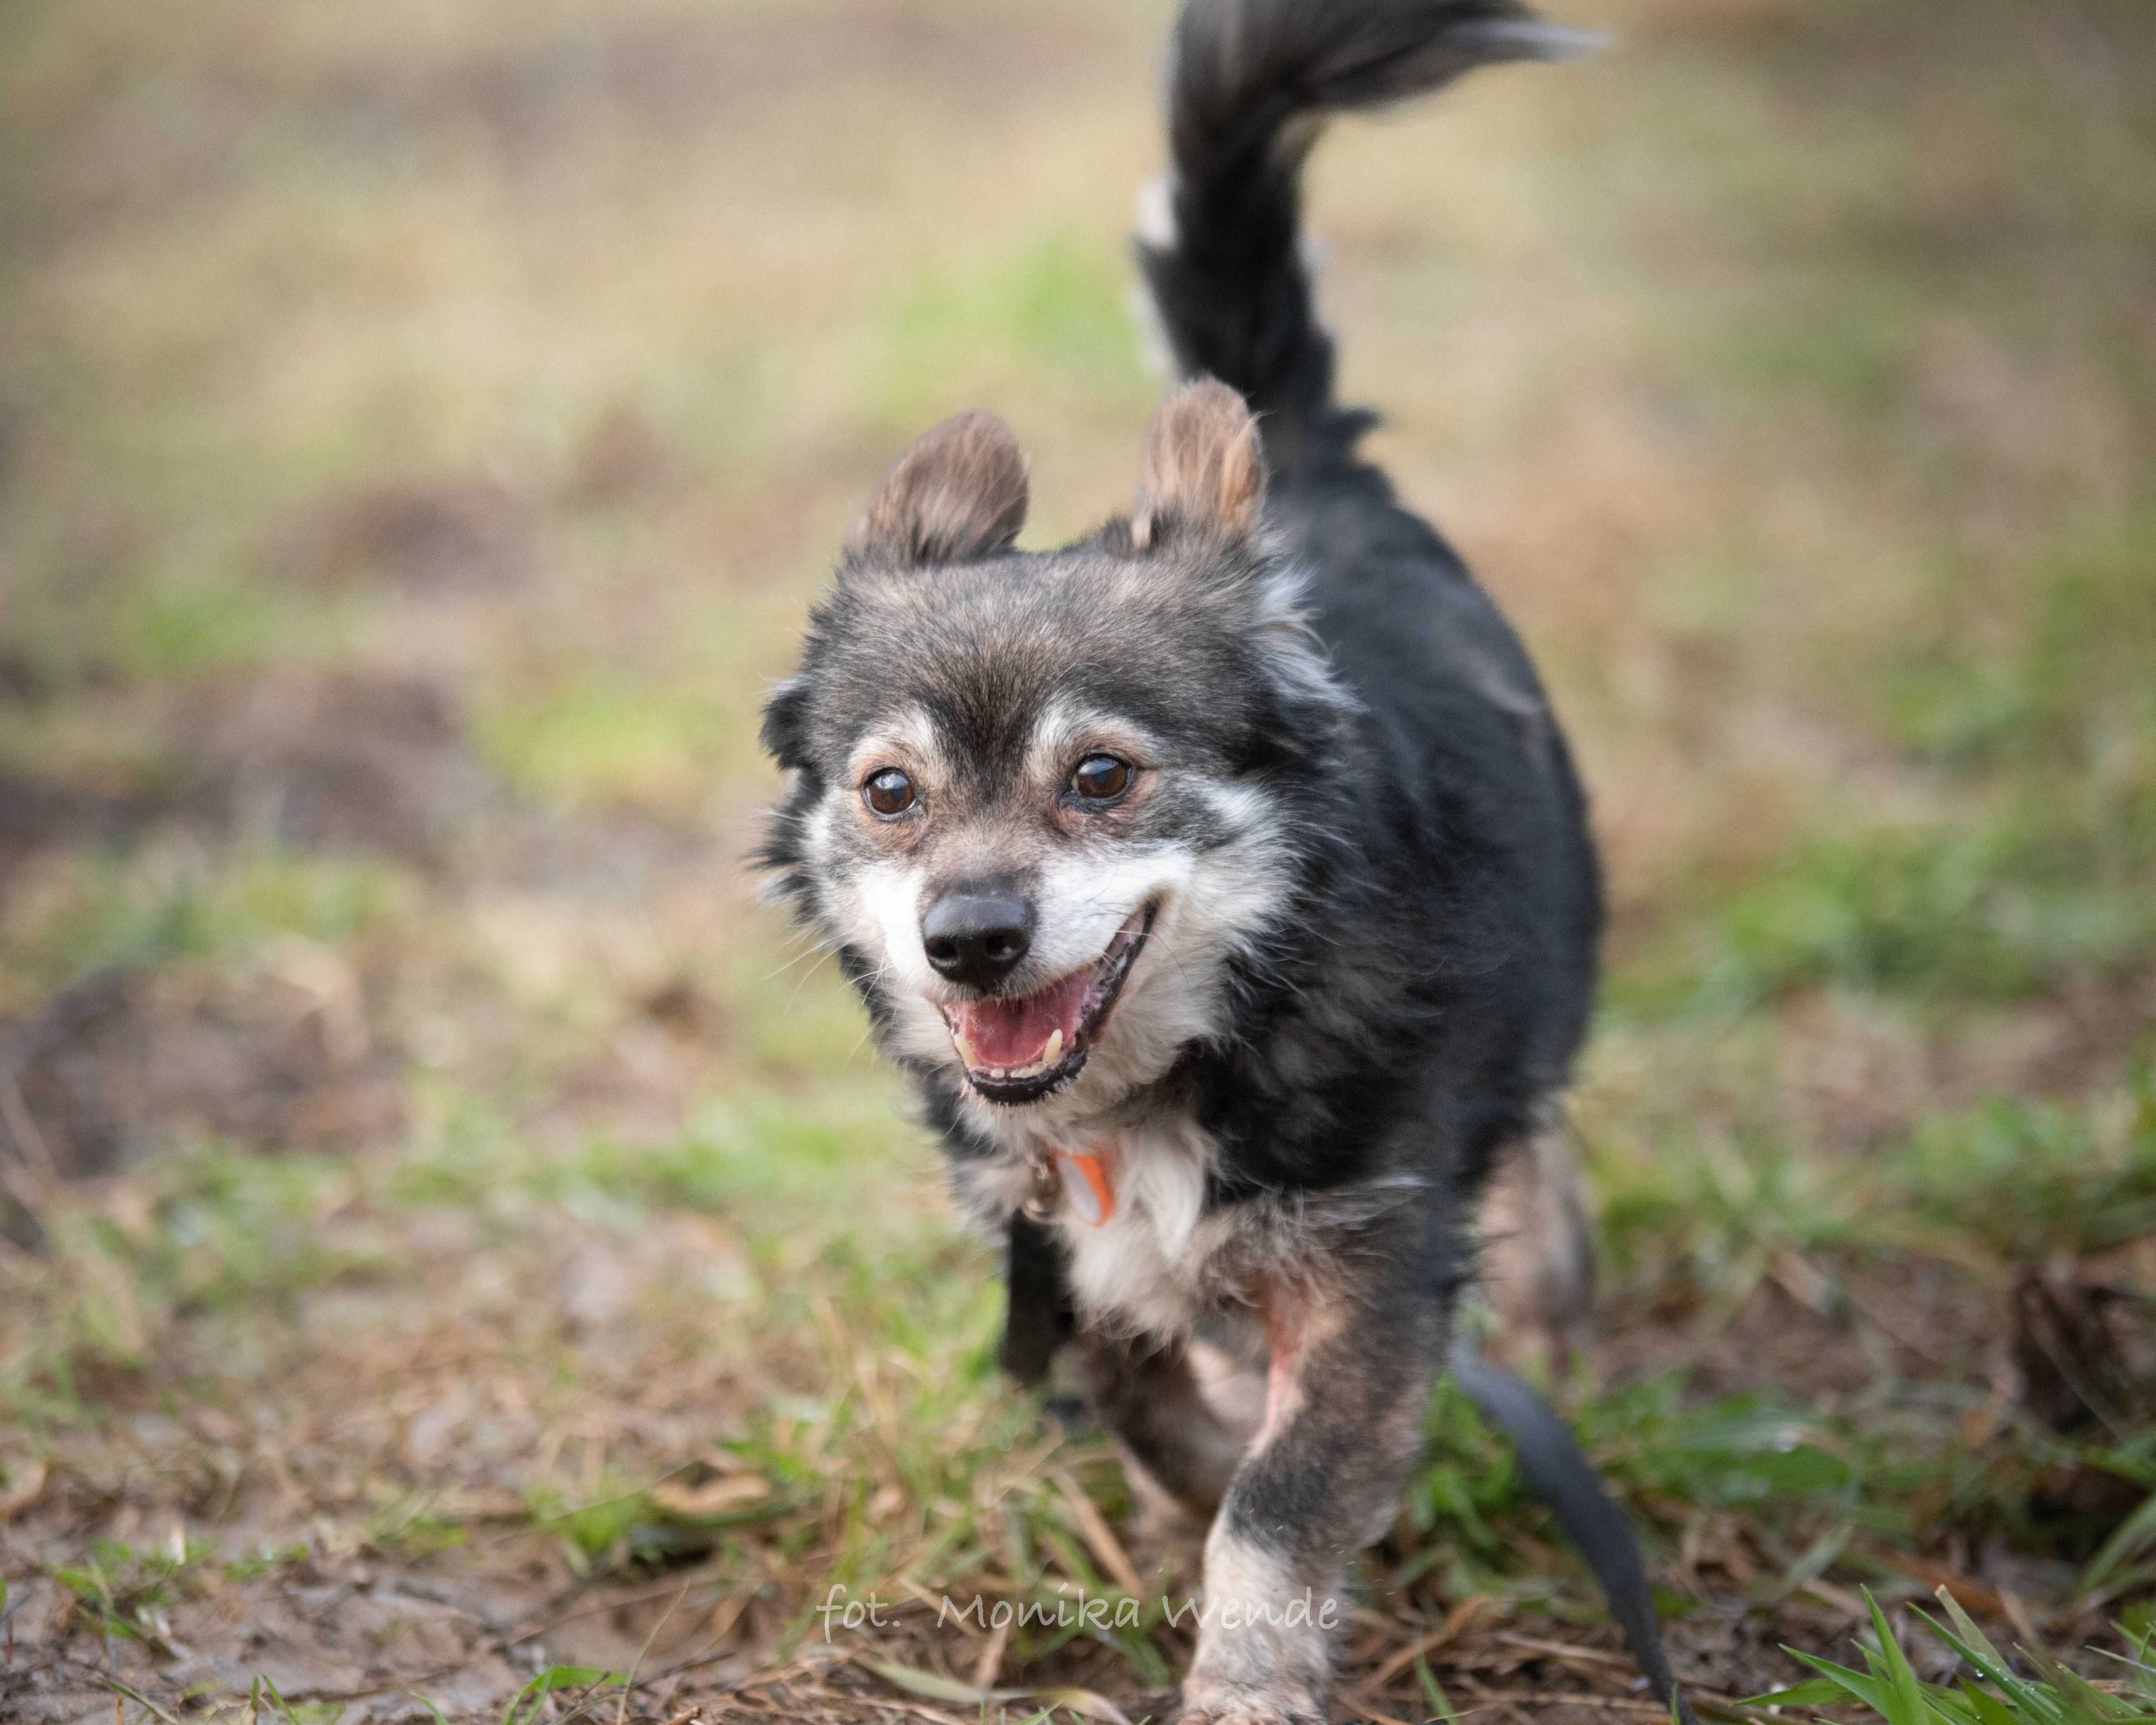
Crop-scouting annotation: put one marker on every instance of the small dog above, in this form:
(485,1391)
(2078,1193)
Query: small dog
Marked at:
(1222,879)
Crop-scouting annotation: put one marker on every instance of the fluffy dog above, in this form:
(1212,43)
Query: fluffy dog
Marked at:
(1221,879)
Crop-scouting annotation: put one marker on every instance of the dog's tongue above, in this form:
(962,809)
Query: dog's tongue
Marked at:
(1011,1033)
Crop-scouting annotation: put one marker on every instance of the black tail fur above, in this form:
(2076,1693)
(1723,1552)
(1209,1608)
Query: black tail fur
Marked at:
(1250,85)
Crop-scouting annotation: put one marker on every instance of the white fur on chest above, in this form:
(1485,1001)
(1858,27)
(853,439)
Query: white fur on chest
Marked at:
(1147,1266)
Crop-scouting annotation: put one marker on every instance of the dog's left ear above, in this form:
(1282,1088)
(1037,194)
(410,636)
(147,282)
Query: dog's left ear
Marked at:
(1204,469)
(958,494)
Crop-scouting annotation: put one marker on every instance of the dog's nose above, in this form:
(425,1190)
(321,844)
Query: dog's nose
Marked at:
(978,938)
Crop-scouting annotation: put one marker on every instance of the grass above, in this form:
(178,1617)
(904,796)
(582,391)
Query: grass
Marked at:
(498,1207)
(2035,867)
(601,741)
(120,1589)
(1890,1687)
(173,904)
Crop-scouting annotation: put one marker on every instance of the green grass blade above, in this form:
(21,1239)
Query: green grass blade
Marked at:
(2131,1539)
(1820,1692)
(1867,1687)
(1432,1692)
(140,1699)
(1967,1639)
(1987,1708)
(1905,1696)
(525,1706)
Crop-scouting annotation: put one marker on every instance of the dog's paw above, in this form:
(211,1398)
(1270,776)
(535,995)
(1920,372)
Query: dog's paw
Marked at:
(1217,1704)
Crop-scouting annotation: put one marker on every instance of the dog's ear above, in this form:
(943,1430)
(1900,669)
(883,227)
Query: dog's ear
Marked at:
(785,729)
(958,494)
(1204,469)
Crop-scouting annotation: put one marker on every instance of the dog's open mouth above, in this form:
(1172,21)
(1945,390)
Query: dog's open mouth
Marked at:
(1021,1049)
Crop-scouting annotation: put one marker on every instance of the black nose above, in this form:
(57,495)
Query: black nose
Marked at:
(978,938)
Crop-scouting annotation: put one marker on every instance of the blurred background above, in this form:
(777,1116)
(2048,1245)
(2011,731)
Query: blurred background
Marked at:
(453,1242)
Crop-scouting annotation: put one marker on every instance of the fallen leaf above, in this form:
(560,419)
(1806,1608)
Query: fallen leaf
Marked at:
(1087,1703)
(713,1497)
(26,1485)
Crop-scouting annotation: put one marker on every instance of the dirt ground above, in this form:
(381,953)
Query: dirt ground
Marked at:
(458,1258)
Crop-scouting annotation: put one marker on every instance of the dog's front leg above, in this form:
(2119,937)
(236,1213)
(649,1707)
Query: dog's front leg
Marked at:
(1175,1444)
(1352,1359)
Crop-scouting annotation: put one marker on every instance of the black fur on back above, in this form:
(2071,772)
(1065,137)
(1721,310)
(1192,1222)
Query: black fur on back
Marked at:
(1445,958)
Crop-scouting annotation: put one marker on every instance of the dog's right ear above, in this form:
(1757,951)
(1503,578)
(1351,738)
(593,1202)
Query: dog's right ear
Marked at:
(958,494)
(1204,469)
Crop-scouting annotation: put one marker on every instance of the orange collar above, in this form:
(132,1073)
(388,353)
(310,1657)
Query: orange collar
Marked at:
(1089,1186)
(1083,1179)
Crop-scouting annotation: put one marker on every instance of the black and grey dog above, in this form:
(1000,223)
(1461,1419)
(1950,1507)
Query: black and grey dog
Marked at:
(1222,879)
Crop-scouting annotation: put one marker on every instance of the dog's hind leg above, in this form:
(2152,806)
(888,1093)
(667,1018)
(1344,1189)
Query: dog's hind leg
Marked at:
(1537,1257)
(1353,1360)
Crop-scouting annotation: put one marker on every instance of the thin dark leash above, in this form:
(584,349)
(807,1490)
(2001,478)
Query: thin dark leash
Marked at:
(1566,1481)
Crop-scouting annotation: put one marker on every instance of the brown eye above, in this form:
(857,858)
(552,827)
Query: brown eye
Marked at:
(1101,778)
(888,792)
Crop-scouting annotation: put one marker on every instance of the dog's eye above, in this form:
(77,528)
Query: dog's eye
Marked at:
(888,793)
(1101,778)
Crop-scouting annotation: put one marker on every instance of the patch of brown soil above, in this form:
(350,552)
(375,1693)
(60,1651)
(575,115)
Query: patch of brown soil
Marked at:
(340,759)
(1859,1075)
(1810,1337)
(37,814)
(2085,1350)
(620,458)
(282,1060)
(437,537)
(325,1631)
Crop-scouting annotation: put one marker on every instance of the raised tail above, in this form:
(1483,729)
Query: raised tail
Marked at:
(1250,85)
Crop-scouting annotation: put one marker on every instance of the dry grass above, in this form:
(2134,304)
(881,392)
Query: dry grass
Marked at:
(454,1237)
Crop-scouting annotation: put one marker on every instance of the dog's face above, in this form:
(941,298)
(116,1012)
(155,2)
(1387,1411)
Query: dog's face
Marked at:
(1038,797)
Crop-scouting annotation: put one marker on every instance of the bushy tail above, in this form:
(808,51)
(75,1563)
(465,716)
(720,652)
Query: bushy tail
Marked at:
(1251,84)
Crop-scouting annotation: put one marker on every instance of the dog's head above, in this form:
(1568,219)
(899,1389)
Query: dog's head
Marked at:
(1048,805)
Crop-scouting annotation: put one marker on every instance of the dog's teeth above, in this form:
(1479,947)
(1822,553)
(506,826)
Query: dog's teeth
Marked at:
(1054,1052)
(966,1050)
